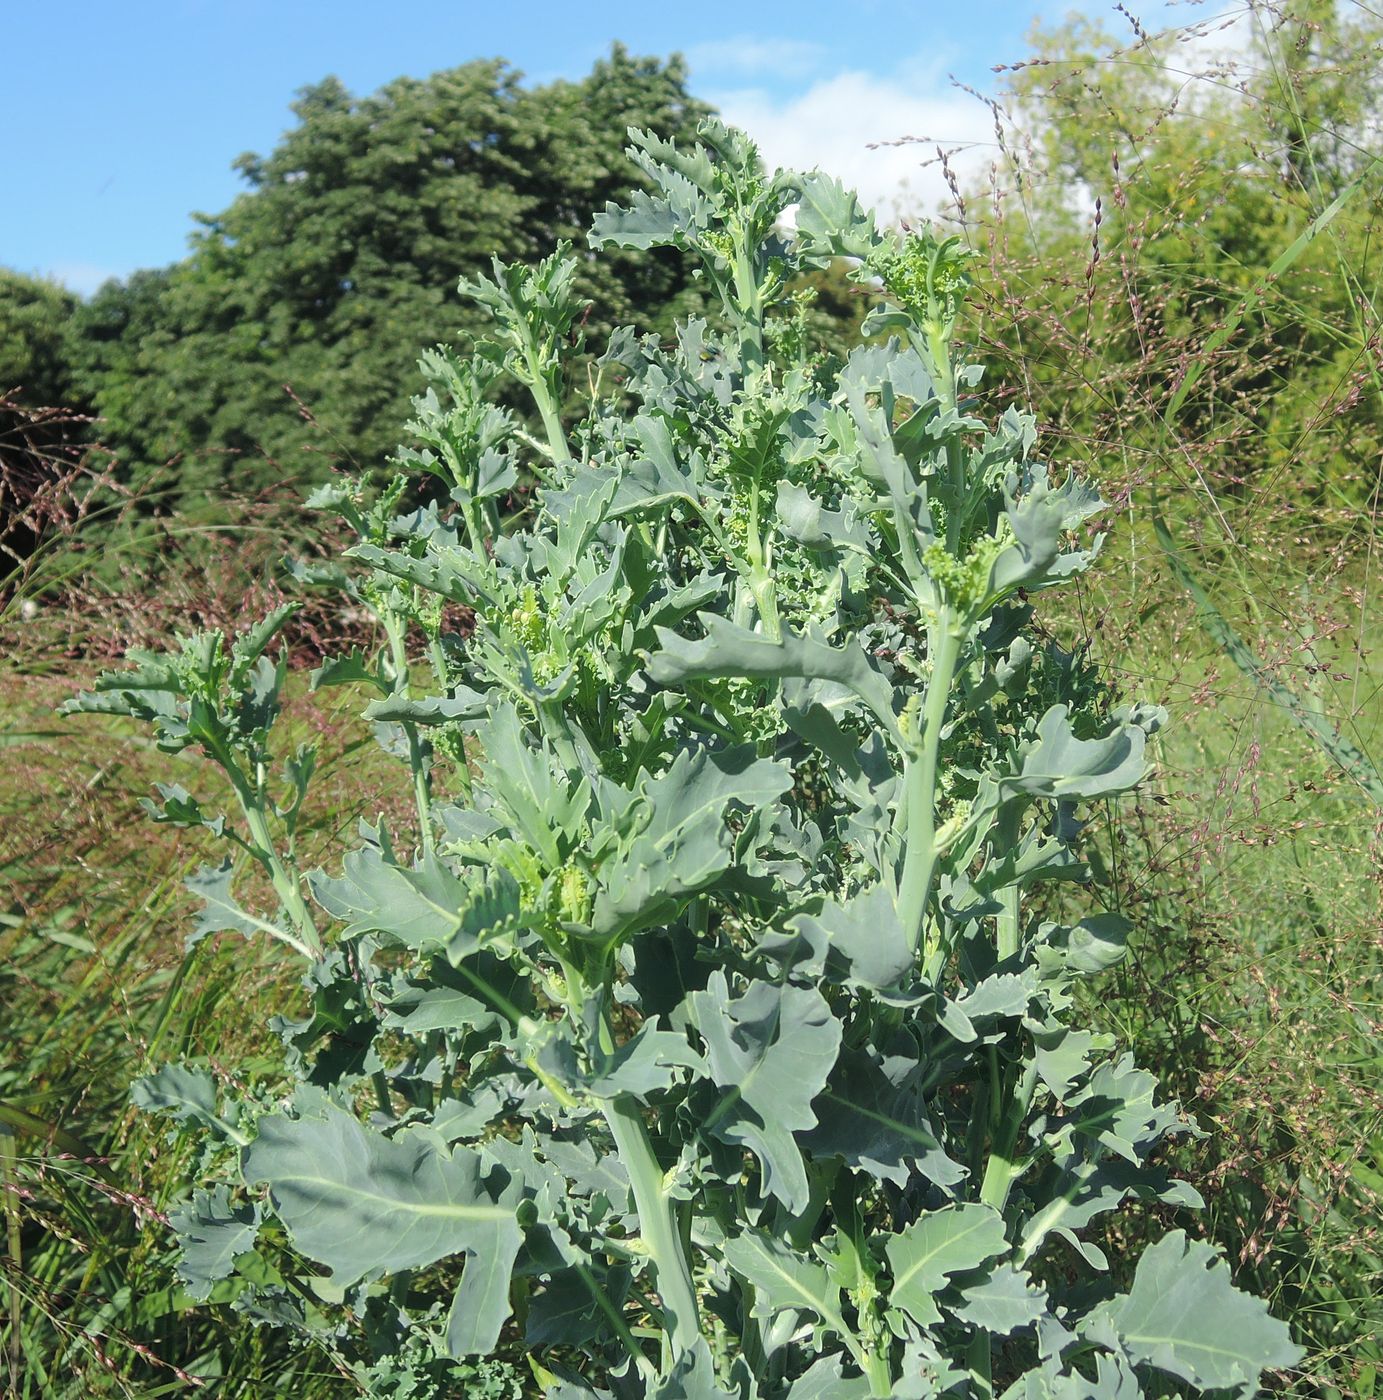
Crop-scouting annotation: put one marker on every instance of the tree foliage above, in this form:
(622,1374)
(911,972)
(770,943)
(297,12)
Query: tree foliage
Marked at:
(1166,308)
(33,321)
(340,257)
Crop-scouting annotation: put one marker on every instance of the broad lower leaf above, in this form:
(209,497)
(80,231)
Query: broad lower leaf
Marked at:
(1058,765)
(770,1051)
(783,1279)
(825,1380)
(1074,1192)
(873,1115)
(189,1095)
(221,912)
(426,908)
(1184,1316)
(1003,1301)
(940,1243)
(684,842)
(731,651)
(212,1233)
(363,1205)
(862,940)
(648,1061)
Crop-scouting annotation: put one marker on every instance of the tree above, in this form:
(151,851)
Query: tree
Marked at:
(33,358)
(1207,170)
(343,253)
(40,433)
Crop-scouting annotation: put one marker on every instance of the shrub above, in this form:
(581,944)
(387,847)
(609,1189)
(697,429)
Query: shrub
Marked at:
(711,1040)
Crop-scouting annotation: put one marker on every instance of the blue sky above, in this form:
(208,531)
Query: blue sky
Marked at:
(123,116)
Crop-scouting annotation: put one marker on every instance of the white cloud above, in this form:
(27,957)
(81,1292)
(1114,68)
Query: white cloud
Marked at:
(82,277)
(751,56)
(833,123)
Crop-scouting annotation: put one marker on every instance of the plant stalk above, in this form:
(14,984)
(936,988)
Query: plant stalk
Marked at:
(658,1223)
(919,865)
(417,751)
(286,883)
(1003,1166)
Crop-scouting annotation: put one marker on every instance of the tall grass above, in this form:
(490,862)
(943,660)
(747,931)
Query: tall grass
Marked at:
(1180,258)
(98,988)
(96,982)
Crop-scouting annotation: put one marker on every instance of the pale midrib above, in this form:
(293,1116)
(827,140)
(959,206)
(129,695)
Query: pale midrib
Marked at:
(903,1279)
(450,1210)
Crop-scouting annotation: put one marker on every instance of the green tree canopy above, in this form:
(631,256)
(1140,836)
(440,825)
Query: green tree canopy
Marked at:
(344,252)
(33,314)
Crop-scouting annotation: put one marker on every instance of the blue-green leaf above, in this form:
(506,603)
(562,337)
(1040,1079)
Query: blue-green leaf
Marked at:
(826,1381)
(1184,1316)
(221,912)
(363,1205)
(211,1234)
(188,1095)
(940,1243)
(424,908)
(731,651)
(351,669)
(1058,765)
(862,939)
(685,842)
(648,1061)
(783,1279)
(831,222)
(1001,1302)
(770,1050)
(873,1116)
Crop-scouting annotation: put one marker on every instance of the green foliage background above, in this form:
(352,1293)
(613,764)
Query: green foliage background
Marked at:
(338,262)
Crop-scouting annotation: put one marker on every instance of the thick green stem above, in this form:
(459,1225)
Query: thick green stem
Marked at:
(879,1374)
(1008,925)
(748,309)
(920,786)
(417,747)
(935,348)
(1000,1173)
(1003,1166)
(980,1357)
(286,883)
(552,427)
(549,410)
(252,799)
(766,601)
(658,1224)
(1012,1093)
(557,729)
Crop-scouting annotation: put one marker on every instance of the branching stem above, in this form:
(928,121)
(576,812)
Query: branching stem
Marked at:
(920,784)
(658,1222)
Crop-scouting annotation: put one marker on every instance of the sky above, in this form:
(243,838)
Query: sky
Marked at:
(122,117)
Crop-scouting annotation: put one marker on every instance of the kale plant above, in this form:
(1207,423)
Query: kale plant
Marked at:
(711,1035)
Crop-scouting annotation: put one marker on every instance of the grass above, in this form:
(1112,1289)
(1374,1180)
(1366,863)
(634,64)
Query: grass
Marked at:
(100,988)
(1251,867)
(1200,328)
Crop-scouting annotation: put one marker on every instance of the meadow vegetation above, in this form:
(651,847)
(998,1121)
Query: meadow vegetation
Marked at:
(1178,272)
